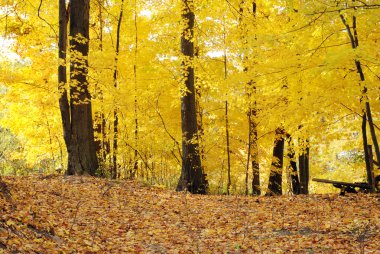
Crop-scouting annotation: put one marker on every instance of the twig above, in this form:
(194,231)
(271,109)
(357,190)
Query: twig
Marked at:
(38,14)
(308,24)
(75,217)
(356,113)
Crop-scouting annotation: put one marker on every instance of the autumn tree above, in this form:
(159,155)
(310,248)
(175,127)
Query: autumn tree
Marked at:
(192,177)
(352,32)
(79,135)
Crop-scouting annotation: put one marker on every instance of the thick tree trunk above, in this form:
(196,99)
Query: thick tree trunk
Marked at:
(275,177)
(192,178)
(82,158)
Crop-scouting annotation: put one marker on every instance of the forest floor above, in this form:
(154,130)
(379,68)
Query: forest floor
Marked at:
(56,214)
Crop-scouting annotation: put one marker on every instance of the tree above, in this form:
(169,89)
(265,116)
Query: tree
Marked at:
(275,177)
(364,100)
(192,177)
(115,111)
(82,151)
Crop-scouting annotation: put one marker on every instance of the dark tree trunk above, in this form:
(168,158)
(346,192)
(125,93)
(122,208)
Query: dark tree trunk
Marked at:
(82,158)
(254,150)
(295,183)
(275,177)
(370,175)
(62,75)
(228,151)
(304,169)
(192,178)
(115,112)
(368,155)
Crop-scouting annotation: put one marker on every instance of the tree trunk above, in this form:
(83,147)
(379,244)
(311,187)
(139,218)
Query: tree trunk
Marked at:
(228,149)
(136,132)
(115,112)
(304,169)
(367,154)
(370,175)
(82,158)
(192,178)
(295,183)
(254,150)
(62,74)
(253,130)
(228,152)
(275,177)
(252,158)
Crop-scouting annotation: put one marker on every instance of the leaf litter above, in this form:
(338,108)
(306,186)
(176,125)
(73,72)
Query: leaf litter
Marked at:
(71,214)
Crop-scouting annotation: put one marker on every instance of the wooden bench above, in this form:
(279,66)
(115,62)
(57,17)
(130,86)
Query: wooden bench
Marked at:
(346,187)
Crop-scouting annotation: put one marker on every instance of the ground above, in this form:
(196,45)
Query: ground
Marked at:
(56,214)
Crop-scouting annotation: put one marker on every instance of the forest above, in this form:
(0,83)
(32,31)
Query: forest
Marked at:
(113,113)
(224,97)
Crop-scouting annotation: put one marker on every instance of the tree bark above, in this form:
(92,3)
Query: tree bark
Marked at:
(136,132)
(275,177)
(295,183)
(82,158)
(367,154)
(115,111)
(192,177)
(254,150)
(62,74)
(304,169)
(228,151)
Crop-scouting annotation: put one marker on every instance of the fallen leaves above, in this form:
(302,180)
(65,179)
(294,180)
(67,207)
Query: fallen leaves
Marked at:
(90,215)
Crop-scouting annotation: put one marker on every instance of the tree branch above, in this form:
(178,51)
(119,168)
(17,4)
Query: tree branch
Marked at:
(39,16)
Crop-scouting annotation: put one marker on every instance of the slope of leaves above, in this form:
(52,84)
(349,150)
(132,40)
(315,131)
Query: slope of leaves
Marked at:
(87,215)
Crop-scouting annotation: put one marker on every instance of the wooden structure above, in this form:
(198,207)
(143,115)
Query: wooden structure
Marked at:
(346,187)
